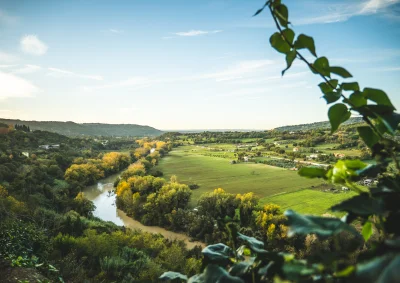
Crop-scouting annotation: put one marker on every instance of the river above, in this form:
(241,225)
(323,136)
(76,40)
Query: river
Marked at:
(106,209)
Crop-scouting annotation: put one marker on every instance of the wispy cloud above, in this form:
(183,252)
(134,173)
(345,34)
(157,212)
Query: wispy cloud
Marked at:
(387,69)
(7,19)
(13,86)
(31,44)
(238,70)
(27,69)
(341,12)
(192,33)
(59,73)
(7,57)
(113,31)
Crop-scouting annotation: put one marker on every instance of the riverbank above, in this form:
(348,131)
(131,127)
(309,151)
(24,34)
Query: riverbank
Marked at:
(104,200)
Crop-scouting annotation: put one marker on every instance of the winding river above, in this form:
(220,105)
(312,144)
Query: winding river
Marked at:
(106,209)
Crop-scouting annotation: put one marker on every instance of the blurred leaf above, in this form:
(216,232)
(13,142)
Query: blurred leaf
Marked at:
(218,253)
(279,43)
(288,34)
(214,273)
(367,231)
(360,205)
(312,172)
(340,72)
(338,114)
(331,97)
(304,41)
(242,267)
(350,86)
(321,65)
(170,275)
(378,96)
(298,271)
(254,244)
(357,99)
(321,226)
(290,56)
(382,269)
(325,87)
(282,13)
(368,135)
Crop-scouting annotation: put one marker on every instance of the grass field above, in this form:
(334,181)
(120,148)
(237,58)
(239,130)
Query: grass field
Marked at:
(307,201)
(212,172)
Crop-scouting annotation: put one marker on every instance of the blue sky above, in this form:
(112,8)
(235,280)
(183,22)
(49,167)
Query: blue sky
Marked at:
(185,64)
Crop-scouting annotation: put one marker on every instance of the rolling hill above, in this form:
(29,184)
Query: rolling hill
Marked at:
(316,125)
(87,129)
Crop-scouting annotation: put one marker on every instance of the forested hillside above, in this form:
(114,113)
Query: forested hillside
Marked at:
(87,129)
(316,125)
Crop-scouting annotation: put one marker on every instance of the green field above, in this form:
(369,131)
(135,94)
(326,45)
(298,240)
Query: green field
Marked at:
(307,201)
(209,173)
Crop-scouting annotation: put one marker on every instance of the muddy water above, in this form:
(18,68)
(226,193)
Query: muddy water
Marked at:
(106,209)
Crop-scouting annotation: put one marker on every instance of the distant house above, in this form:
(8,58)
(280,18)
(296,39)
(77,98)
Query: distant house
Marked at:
(49,146)
(296,149)
(291,133)
(313,156)
(25,153)
(276,143)
(339,155)
(246,159)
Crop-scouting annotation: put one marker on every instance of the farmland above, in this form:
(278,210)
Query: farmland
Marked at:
(209,172)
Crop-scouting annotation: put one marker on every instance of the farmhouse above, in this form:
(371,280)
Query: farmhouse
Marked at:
(339,155)
(246,159)
(296,149)
(49,146)
(313,156)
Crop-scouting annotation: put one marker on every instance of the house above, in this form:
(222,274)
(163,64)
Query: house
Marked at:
(313,156)
(276,143)
(25,153)
(345,189)
(339,155)
(296,149)
(246,159)
(49,146)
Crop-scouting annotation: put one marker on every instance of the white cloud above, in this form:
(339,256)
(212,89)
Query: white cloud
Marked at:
(31,44)
(13,86)
(196,32)
(7,57)
(27,69)
(341,12)
(113,31)
(6,19)
(59,73)
(239,70)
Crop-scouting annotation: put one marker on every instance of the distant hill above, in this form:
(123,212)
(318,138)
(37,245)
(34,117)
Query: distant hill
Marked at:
(87,129)
(316,125)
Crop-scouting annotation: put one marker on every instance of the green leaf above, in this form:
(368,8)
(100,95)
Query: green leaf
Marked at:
(367,231)
(378,96)
(254,244)
(288,34)
(327,87)
(357,99)
(290,56)
(360,205)
(368,136)
(214,273)
(345,170)
(331,97)
(312,172)
(279,43)
(321,65)
(170,275)
(297,271)
(282,13)
(219,253)
(340,72)
(321,226)
(304,41)
(242,267)
(383,269)
(338,114)
(350,86)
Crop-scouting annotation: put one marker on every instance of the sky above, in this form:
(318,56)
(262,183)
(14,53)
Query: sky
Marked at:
(182,64)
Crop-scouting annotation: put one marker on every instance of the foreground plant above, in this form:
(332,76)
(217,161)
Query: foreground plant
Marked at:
(375,208)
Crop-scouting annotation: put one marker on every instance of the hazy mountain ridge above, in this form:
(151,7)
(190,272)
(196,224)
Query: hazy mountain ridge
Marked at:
(88,129)
(316,125)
